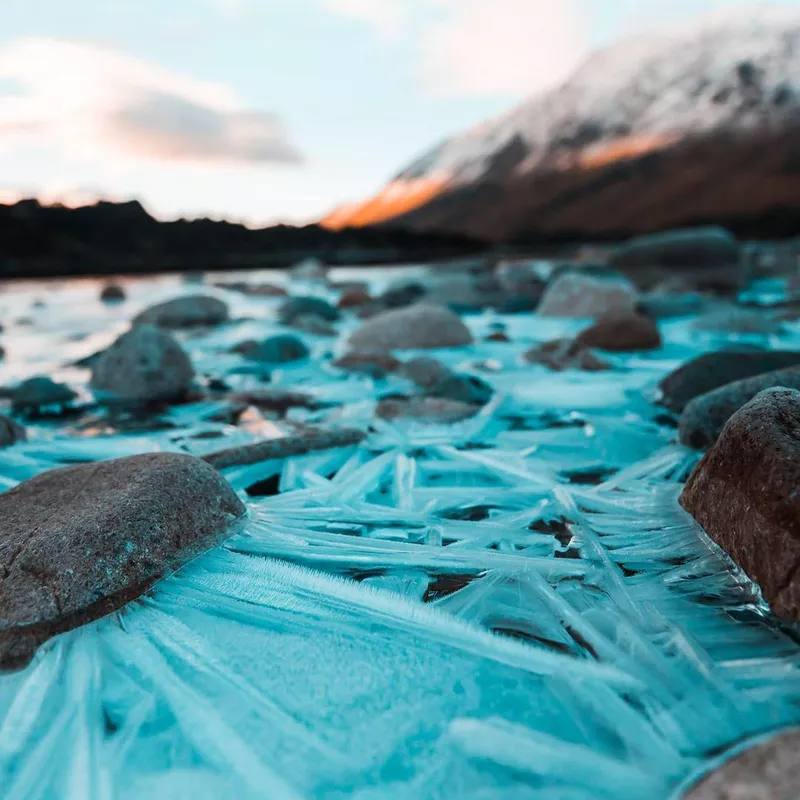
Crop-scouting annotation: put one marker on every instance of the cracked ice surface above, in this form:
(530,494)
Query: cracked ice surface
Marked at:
(510,607)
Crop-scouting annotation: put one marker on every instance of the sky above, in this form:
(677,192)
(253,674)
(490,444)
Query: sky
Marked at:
(273,110)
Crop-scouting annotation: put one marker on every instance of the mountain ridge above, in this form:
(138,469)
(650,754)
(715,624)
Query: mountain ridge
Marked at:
(731,76)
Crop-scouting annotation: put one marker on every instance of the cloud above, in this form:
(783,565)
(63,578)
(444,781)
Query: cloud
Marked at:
(481,47)
(85,99)
(388,17)
(502,46)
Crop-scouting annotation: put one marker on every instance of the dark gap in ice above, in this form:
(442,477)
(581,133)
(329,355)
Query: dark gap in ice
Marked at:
(447,584)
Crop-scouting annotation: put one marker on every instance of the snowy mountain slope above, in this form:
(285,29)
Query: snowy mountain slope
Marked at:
(733,73)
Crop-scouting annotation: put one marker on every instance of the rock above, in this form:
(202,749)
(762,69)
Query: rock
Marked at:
(744,494)
(145,364)
(704,417)
(467,389)
(576,295)
(709,258)
(768,771)
(254,289)
(424,371)
(274,399)
(112,293)
(497,336)
(712,370)
(353,298)
(81,542)
(402,294)
(285,447)
(521,278)
(309,269)
(282,348)
(185,312)
(425,409)
(36,393)
(415,327)
(465,294)
(11,432)
(621,333)
(313,324)
(296,307)
(739,320)
(562,354)
(375,365)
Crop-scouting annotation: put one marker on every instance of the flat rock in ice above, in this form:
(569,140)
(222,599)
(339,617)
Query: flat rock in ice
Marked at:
(185,312)
(80,542)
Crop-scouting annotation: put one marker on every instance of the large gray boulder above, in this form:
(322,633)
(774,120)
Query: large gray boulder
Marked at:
(415,327)
(744,494)
(185,312)
(144,365)
(574,294)
(704,418)
(712,370)
(708,257)
(80,542)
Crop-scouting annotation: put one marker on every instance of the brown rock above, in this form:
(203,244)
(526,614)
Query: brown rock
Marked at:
(704,418)
(561,354)
(80,542)
(712,370)
(744,494)
(353,298)
(768,771)
(497,336)
(620,333)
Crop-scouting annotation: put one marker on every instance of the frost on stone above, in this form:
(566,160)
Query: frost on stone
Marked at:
(511,606)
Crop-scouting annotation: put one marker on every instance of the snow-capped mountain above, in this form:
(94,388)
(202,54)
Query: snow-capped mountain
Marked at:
(732,74)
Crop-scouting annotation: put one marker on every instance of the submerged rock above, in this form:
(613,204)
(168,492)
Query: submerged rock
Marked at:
(79,543)
(145,364)
(402,294)
(313,324)
(39,392)
(744,494)
(463,388)
(435,410)
(577,295)
(709,258)
(11,432)
(712,370)
(415,327)
(561,354)
(739,320)
(283,348)
(296,307)
(704,417)
(376,365)
(424,371)
(768,771)
(620,333)
(112,293)
(185,312)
